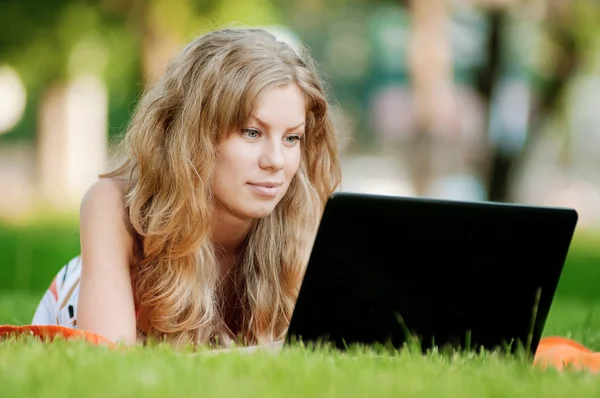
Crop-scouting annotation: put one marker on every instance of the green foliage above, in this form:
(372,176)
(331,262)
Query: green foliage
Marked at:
(39,44)
(57,39)
(581,272)
(585,25)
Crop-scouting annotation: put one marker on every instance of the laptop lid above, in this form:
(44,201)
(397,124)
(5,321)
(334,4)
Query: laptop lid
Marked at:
(453,274)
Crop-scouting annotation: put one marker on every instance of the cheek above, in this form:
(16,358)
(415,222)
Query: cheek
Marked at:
(217,186)
(293,163)
(224,173)
(234,164)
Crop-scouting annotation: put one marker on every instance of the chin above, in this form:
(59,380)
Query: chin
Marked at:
(260,211)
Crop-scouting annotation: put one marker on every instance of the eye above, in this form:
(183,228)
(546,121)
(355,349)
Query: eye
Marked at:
(293,139)
(251,133)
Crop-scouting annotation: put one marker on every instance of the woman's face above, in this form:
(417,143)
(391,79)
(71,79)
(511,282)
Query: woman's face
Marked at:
(257,164)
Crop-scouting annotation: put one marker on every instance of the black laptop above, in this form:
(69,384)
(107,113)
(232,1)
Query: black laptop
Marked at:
(390,270)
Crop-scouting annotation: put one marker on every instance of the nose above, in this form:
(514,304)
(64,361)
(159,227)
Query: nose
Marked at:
(273,156)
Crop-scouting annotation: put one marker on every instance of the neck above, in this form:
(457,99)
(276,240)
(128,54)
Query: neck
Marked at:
(228,235)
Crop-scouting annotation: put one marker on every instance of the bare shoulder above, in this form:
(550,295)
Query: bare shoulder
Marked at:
(107,193)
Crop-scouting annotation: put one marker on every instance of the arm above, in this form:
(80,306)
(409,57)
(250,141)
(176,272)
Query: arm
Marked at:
(106,305)
(273,346)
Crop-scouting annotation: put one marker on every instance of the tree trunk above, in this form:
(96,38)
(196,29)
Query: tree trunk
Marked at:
(500,165)
(158,45)
(72,140)
(434,150)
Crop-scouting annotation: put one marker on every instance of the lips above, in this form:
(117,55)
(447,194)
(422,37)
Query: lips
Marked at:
(267,188)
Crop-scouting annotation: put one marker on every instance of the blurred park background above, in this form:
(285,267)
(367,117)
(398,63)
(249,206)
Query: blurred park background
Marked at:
(493,100)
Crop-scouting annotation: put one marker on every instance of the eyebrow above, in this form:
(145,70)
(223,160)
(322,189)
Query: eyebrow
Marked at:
(266,125)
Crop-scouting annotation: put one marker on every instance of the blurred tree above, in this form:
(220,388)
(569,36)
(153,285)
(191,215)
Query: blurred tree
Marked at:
(65,51)
(431,75)
(125,41)
(161,27)
(23,43)
(58,45)
(56,40)
(523,63)
(122,41)
(567,45)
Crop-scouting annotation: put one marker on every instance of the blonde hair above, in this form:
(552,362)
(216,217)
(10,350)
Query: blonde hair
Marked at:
(211,89)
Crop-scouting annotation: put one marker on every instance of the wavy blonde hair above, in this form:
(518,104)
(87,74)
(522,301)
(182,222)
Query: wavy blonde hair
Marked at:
(209,90)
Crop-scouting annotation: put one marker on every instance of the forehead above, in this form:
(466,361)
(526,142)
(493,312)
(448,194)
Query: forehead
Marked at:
(283,106)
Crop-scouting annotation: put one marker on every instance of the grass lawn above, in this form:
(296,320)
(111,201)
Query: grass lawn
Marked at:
(73,370)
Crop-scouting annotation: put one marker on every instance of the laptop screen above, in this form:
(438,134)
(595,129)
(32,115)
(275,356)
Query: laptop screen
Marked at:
(457,274)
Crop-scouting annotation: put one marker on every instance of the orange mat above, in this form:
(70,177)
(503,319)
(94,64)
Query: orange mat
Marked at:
(50,332)
(562,353)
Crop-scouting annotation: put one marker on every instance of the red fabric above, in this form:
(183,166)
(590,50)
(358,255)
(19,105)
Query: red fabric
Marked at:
(53,289)
(50,332)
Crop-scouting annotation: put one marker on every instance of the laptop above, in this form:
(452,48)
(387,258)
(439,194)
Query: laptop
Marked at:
(443,274)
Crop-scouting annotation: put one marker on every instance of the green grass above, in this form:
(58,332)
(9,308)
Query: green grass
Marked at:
(580,278)
(32,253)
(576,319)
(68,369)
(18,308)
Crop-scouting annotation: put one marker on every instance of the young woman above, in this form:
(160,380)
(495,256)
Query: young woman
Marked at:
(201,236)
